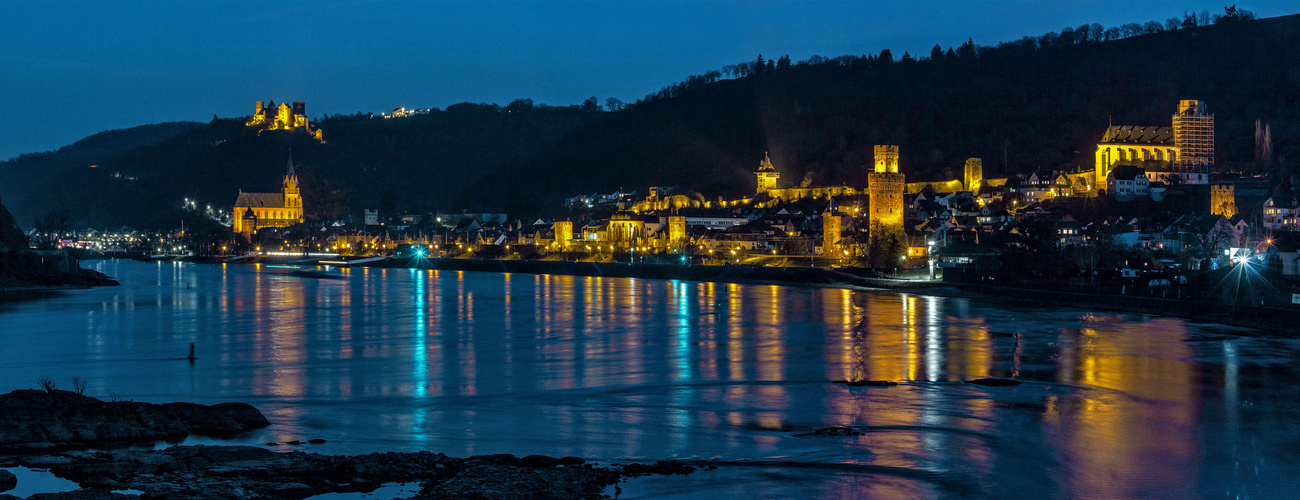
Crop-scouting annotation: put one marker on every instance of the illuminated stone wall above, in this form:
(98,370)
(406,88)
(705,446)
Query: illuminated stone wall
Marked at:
(794,194)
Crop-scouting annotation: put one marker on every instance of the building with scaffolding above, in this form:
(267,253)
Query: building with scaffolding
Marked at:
(1194,138)
(1179,154)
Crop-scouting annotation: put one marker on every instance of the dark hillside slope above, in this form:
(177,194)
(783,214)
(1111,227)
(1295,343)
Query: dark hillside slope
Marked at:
(415,163)
(1018,107)
(21,176)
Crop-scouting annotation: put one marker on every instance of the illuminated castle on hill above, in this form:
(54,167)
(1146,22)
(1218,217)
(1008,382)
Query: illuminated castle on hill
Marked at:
(268,116)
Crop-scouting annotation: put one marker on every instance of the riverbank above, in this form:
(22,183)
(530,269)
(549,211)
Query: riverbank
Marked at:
(751,275)
(38,274)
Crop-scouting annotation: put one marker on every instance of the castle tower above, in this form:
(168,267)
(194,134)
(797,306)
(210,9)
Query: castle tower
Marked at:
(885,189)
(1194,138)
(283,117)
(299,115)
(886,158)
(974,174)
(676,229)
(1223,200)
(563,233)
(247,224)
(767,174)
(831,230)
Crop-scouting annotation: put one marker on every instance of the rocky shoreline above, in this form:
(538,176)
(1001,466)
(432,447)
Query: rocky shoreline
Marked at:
(54,429)
(36,420)
(238,472)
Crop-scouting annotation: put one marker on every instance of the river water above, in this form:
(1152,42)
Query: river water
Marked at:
(1112,405)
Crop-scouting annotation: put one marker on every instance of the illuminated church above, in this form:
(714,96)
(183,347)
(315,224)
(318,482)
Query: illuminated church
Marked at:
(255,211)
(1181,153)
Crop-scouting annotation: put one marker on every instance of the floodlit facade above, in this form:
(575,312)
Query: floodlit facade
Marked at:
(766,174)
(974,174)
(253,211)
(283,117)
(885,187)
(1223,200)
(1182,153)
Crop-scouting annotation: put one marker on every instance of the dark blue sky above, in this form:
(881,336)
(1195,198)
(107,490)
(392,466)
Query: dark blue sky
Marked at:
(70,69)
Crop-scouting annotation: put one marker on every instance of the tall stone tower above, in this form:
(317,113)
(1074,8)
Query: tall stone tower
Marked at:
(974,174)
(766,174)
(885,187)
(676,229)
(1223,200)
(831,230)
(249,224)
(563,233)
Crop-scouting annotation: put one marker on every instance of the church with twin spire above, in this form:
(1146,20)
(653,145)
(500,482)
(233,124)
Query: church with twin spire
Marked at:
(255,211)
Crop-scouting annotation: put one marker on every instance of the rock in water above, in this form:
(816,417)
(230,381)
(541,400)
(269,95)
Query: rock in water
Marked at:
(831,432)
(994,382)
(8,480)
(539,461)
(35,420)
(866,383)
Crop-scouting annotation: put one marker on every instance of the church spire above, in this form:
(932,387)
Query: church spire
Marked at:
(290,177)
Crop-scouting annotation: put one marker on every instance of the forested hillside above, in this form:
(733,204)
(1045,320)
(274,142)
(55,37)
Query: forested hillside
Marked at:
(1038,102)
(1035,103)
(26,179)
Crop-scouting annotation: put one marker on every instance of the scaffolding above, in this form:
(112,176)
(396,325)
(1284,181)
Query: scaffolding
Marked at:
(1194,137)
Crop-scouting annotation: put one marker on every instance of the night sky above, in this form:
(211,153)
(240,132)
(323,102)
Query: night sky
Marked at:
(70,69)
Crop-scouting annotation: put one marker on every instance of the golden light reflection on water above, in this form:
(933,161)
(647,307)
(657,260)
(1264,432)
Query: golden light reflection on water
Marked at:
(1134,431)
(739,364)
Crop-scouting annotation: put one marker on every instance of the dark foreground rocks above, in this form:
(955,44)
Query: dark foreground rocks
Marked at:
(7,481)
(52,420)
(230,472)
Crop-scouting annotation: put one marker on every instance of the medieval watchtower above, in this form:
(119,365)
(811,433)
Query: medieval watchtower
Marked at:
(974,174)
(885,187)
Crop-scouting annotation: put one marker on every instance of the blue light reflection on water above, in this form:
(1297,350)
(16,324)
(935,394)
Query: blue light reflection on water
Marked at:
(466,363)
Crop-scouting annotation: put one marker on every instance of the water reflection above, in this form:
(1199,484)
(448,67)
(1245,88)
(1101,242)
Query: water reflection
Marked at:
(465,363)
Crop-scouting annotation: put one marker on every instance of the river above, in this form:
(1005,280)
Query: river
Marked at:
(464,363)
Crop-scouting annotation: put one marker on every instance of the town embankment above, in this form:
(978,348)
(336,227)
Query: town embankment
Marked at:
(1276,319)
(753,275)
